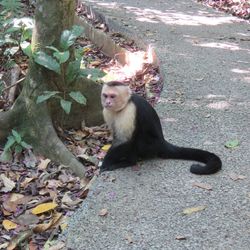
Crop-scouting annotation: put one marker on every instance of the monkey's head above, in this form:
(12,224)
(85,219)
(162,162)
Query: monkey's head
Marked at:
(115,96)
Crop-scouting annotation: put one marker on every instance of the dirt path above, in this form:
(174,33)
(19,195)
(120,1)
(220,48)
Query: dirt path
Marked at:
(204,58)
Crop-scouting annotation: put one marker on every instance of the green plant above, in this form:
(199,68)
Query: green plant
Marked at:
(10,8)
(17,32)
(65,105)
(1,87)
(14,144)
(14,31)
(54,61)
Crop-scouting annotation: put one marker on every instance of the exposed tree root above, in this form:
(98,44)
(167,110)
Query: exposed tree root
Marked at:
(34,121)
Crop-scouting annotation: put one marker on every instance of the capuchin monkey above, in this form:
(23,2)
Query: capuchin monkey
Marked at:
(137,133)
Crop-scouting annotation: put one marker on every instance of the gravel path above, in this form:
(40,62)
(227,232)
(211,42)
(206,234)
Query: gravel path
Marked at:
(205,62)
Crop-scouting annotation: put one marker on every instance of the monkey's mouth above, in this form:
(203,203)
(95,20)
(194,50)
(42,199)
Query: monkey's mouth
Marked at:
(108,106)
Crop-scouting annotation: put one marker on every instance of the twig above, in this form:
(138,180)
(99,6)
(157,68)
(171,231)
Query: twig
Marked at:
(20,80)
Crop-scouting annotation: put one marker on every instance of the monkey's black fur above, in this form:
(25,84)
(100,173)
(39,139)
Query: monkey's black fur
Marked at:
(148,142)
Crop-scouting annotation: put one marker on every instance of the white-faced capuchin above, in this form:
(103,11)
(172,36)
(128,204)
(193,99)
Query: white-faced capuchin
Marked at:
(137,133)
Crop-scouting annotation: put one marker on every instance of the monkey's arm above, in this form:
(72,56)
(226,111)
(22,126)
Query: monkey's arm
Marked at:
(119,156)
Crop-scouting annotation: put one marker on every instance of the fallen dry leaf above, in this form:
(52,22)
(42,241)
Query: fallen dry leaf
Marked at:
(18,239)
(69,202)
(191,210)
(14,197)
(64,223)
(84,182)
(106,147)
(236,177)
(112,178)
(12,201)
(45,207)
(9,225)
(95,63)
(32,246)
(27,219)
(103,212)
(26,181)
(39,228)
(4,245)
(9,185)
(29,159)
(60,245)
(5,212)
(180,237)
(202,185)
(54,184)
(43,164)
(10,206)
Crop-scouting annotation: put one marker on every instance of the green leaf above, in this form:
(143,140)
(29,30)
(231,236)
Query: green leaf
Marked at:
(25,145)
(78,53)
(12,30)
(68,37)
(52,48)
(46,95)
(232,144)
(17,136)
(73,70)
(66,105)
(47,61)
(26,48)
(62,57)
(94,74)
(11,51)
(6,156)
(27,34)
(8,40)
(10,142)
(18,149)
(77,30)
(1,87)
(78,97)
(66,40)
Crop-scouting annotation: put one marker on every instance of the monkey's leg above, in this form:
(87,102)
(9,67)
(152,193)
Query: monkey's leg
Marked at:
(120,156)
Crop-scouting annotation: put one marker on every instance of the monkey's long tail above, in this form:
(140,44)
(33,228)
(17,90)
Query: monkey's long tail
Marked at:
(212,162)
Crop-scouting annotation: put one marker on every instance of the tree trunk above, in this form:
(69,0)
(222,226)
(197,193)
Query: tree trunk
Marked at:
(35,121)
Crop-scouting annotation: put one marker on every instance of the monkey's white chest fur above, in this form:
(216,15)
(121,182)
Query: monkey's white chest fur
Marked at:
(122,123)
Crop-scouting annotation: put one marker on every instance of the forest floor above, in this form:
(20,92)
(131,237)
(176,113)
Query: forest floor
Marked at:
(204,60)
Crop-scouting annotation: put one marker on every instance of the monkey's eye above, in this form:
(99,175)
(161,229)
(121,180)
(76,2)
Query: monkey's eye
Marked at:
(104,95)
(112,96)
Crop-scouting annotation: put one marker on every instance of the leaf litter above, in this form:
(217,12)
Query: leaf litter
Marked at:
(239,8)
(39,202)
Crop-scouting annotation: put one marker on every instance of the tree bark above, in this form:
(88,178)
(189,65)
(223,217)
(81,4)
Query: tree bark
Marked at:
(35,122)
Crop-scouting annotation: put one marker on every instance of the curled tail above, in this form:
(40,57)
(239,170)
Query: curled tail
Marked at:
(212,162)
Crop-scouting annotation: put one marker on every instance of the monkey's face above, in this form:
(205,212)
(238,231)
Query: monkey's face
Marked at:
(115,98)
(109,100)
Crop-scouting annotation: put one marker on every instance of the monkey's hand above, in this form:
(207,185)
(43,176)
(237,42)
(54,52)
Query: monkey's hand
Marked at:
(106,167)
